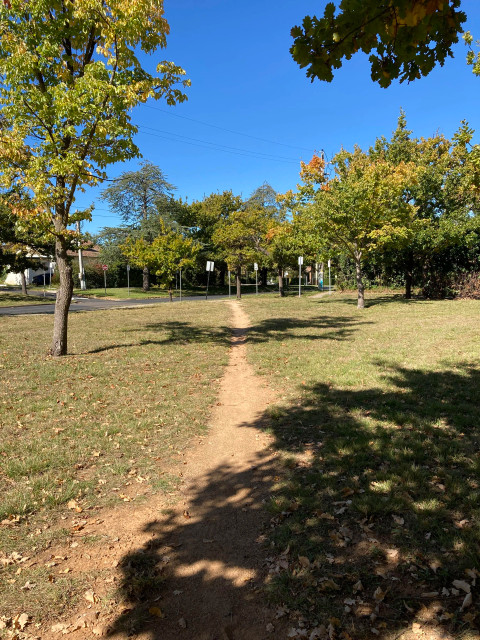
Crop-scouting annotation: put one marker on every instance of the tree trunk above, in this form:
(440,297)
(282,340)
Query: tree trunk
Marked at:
(264,274)
(24,283)
(170,293)
(64,297)
(239,284)
(281,290)
(359,274)
(222,277)
(409,276)
(146,279)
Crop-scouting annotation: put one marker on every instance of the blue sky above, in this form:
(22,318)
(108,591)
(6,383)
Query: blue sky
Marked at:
(252,114)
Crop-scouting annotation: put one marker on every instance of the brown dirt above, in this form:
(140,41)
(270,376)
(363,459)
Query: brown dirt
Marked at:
(193,570)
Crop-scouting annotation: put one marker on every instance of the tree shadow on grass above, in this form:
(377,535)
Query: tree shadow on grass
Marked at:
(380,505)
(279,329)
(375,514)
(370,301)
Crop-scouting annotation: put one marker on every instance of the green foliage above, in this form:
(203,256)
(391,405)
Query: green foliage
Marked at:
(405,38)
(164,255)
(240,237)
(446,196)
(137,196)
(70,76)
(362,209)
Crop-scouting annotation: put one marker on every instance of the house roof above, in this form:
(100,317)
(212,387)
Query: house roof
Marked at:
(91,252)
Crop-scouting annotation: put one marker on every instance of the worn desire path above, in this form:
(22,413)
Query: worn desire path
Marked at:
(206,548)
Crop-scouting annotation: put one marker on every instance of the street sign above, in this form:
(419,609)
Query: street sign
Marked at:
(255,266)
(329,264)
(210,265)
(128,267)
(105,267)
(300,260)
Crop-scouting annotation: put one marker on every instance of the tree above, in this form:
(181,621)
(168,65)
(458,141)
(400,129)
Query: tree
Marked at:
(265,197)
(164,255)
(444,193)
(137,196)
(19,239)
(405,38)
(69,77)
(240,239)
(362,208)
(202,218)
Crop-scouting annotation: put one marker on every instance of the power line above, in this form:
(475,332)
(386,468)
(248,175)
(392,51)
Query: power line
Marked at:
(259,155)
(238,133)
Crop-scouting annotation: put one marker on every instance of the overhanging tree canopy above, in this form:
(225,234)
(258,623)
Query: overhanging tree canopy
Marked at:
(405,38)
(69,76)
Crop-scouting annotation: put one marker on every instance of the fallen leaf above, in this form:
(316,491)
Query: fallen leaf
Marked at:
(461,584)
(59,627)
(327,585)
(304,561)
(398,520)
(182,623)
(156,611)
(466,602)
(20,621)
(358,586)
(469,617)
(90,596)
(472,573)
(379,595)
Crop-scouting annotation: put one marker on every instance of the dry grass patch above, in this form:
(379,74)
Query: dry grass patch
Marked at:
(376,520)
(16,299)
(105,425)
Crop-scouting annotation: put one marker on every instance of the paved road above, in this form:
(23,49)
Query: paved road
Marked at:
(94,304)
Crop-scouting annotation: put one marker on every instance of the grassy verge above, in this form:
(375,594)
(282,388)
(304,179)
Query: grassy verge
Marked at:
(102,426)
(16,299)
(376,519)
(122,293)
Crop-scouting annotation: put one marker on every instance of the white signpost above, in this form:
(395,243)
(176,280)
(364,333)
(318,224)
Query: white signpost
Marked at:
(105,269)
(329,279)
(210,267)
(300,262)
(255,266)
(229,285)
(128,279)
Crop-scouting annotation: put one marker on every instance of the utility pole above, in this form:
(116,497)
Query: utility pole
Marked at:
(81,271)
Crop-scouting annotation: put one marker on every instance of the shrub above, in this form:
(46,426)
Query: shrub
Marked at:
(468,286)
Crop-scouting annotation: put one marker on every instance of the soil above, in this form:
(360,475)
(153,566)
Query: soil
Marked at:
(191,566)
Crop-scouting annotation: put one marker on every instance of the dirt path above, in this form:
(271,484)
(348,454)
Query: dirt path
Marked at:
(194,571)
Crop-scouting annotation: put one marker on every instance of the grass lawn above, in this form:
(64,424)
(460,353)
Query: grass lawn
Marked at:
(104,425)
(155,292)
(376,518)
(16,299)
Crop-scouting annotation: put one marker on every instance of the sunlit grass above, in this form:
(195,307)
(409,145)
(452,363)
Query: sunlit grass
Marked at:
(387,400)
(113,418)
